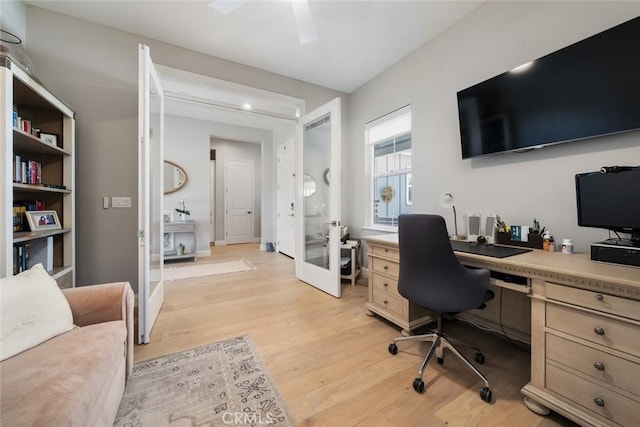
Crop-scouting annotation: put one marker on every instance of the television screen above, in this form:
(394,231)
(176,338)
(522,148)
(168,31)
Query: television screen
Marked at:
(610,200)
(587,89)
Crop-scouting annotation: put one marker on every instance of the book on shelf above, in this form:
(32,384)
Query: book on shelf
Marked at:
(19,217)
(20,258)
(17,169)
(27,171)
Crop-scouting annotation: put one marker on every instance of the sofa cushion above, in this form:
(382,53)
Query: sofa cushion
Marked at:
(58,382)
(33,309)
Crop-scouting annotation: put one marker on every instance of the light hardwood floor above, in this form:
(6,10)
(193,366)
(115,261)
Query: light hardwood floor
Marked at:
(329,359)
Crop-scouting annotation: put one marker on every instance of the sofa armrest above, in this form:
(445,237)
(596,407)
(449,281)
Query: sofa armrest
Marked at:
(103,303)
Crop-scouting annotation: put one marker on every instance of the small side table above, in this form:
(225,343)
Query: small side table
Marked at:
(353,246)
(173,228)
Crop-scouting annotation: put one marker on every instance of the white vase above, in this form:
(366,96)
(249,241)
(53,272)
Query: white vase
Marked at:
(183,217)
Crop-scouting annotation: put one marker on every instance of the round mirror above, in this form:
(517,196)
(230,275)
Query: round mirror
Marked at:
(175,177)
(308,186)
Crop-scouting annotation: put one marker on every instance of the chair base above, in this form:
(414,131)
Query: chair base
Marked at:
(439,344)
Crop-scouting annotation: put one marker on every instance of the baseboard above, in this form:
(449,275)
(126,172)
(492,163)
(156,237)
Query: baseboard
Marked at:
(203,252)
(220,243)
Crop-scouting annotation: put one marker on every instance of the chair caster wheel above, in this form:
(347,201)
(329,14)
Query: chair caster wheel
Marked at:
(393,348)
(418,385)
(480,358)
(485,394)
(440,360)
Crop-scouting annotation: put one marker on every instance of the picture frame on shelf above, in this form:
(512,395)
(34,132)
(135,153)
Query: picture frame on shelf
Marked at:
(49,138)
(168,242)
(168,216)
(43,220)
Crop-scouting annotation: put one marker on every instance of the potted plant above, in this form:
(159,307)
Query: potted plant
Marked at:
(184,213)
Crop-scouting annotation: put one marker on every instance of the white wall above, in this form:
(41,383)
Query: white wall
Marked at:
(187,143)
(494,38)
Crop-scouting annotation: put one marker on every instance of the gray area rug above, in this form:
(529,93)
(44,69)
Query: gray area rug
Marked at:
(224,383)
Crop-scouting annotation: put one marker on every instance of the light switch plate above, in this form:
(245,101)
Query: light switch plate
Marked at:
(121,202)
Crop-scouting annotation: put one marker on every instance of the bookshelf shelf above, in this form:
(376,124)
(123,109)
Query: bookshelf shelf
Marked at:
(40,175)
(27,143)
(37,188)
(26,236)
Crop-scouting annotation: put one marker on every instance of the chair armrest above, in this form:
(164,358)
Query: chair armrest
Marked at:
(103,303)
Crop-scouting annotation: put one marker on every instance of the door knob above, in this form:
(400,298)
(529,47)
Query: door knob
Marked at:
(249,213)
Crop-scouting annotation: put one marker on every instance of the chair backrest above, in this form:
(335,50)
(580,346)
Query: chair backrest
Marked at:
(430,273)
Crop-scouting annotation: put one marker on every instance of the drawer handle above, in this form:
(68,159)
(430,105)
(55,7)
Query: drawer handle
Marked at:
(386,251)
(599,366)
(598,331)
(386,267)
(385,284)
(598,401)
(599,297)
(385,301)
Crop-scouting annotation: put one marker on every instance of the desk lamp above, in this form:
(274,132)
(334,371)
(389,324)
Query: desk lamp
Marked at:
(446,201)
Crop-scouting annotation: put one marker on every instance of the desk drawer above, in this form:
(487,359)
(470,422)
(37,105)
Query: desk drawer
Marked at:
(388,302)
(385,284)
(591,327)
(595,300)
(599,400)
(602,366)
(391,253)
(384,266)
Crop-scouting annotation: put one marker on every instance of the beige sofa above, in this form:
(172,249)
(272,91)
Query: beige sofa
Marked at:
(76,378)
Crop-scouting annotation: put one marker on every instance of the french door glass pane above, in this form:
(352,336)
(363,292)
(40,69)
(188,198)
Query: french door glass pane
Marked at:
(316,162)
(156,188)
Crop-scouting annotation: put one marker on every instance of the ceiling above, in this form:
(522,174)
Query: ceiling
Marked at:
(356,39)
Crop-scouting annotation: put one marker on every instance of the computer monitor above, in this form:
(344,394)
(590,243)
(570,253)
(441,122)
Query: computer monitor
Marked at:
(610,199)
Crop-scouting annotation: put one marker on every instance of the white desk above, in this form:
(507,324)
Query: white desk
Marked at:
(585,327)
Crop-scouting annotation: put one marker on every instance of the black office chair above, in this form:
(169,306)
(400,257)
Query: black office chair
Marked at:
(431,276)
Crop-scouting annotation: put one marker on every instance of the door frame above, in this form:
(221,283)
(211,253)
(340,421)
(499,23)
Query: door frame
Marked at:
(279,195)
(212,201)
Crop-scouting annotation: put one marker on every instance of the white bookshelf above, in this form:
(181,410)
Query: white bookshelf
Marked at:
(54,248)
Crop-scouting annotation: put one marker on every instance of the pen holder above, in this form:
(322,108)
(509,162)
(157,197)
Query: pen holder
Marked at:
(504,238)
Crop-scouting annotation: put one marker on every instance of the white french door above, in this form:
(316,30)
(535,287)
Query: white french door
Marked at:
(287,199)
(318,211)
(150,194)
(238,178)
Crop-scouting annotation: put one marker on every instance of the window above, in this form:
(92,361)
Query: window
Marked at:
(389,143)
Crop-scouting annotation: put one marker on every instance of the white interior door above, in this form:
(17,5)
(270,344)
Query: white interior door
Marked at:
(318,212)
(150,195)
(238,178)
(286,199)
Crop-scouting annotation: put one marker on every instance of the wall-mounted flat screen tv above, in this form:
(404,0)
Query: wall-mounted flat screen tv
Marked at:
(588,89)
